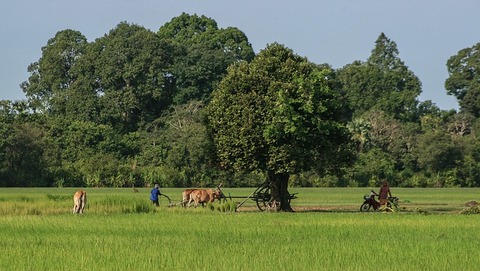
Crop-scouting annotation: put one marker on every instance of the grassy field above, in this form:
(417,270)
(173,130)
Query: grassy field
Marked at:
(122,231)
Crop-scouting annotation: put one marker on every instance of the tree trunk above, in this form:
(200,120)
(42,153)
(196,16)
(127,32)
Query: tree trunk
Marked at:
(280,200)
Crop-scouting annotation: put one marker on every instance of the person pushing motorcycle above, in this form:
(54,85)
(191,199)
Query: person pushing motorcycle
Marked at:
(384,193)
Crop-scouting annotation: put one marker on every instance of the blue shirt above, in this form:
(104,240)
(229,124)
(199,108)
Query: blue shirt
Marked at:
(155,193)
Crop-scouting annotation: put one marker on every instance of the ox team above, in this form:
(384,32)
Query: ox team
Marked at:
(200,196)
(197,196)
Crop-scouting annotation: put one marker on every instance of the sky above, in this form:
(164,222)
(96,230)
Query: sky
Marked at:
(337,32)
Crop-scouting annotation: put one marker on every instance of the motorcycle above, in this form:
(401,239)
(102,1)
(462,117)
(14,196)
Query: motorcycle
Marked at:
(370,202)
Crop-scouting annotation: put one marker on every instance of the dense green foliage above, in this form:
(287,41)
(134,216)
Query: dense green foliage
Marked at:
(203,53)
(277,114)
(464,80)
(382,83)
(125,109)
(135,107)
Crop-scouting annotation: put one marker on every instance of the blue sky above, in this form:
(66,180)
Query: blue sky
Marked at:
(337,32)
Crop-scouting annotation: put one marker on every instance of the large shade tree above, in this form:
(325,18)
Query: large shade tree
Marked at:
(278,115)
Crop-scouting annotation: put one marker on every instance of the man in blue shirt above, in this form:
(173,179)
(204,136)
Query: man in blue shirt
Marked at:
(154,195)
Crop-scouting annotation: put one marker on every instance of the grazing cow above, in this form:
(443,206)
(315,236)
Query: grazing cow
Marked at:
(79,201)
(204,195)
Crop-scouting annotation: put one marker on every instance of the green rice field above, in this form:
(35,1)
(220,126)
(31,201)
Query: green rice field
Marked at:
(120,230)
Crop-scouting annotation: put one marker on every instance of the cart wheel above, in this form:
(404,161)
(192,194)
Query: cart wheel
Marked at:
(262,198)
(365,207)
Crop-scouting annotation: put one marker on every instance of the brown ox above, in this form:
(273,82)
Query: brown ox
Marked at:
(186,196)
(204,196)
(79,201)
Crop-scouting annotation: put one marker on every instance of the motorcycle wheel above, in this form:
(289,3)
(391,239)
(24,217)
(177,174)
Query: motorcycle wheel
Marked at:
(365,207)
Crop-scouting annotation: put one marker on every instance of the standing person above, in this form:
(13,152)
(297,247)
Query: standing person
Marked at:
(154,195)
(384,193)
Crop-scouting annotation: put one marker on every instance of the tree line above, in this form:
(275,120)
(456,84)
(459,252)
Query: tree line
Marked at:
(193,105)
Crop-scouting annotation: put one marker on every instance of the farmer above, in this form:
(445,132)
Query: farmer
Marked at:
(384,193)
(154,195)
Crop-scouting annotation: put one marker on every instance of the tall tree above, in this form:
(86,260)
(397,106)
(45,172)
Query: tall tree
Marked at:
(383,83)
(202,54)
(130,75)
(52,76)
(278,115)
(464,79)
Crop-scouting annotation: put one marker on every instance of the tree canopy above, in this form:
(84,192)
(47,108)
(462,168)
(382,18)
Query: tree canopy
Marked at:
(383,82)
(464,79)
(52,74)
(202,54)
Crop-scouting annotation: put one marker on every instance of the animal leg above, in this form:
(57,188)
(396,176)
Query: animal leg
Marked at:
(84,202)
